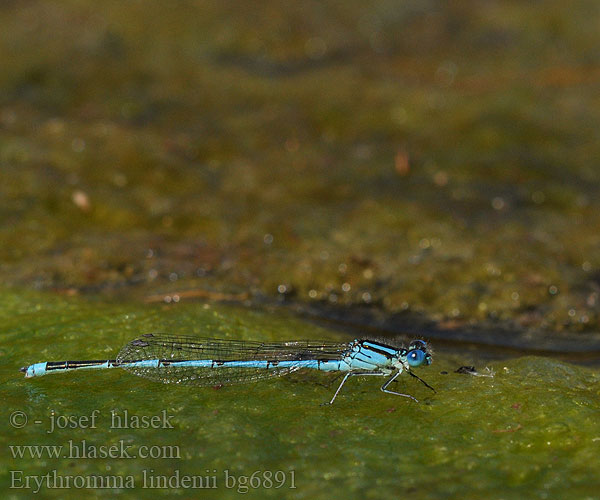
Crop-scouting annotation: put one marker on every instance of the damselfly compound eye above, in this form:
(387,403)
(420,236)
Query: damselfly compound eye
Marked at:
(415,357)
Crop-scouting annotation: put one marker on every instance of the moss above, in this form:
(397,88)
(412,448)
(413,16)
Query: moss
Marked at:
(531,429)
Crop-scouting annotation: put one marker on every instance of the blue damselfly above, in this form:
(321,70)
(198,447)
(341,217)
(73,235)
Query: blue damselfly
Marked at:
(205,361)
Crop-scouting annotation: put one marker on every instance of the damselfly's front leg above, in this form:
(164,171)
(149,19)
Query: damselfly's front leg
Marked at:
(351,374)
(421,380)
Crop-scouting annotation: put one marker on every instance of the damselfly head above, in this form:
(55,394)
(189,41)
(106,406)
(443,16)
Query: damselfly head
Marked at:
(418,354)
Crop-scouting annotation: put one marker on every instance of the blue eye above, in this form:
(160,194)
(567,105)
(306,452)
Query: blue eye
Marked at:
(415,357)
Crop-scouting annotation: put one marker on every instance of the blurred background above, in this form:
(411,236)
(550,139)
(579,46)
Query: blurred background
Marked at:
(402,165)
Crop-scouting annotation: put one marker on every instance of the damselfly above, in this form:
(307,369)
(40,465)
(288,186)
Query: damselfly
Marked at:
(205,361)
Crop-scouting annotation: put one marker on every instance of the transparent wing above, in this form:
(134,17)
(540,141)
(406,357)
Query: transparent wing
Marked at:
(183,348)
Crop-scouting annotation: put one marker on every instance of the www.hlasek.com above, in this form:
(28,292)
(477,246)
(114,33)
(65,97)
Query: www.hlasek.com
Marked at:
(86,450)
(149,479)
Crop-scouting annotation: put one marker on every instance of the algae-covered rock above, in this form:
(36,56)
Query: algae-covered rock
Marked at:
(526,428)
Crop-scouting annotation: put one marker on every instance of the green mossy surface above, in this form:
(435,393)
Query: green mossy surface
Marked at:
(530,431)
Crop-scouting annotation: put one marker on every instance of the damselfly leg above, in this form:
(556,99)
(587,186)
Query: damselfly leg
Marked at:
(389,381)
(351,374)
